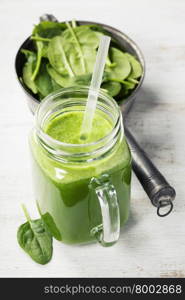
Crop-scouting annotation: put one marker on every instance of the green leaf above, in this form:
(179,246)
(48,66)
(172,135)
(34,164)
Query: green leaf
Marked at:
(49,222)
(48,29)
(113,88)
(122,68)
(35,240)
(57,56)
(83,79)
(129,85)
(66,81)
(28,70)
(28,53)
(40,53)
(136,70)
(90,57)
(62,80)
(55,85)
(84,35)
(40,96)
(109,63)
(96,28)
(45,50)
(43,81)
(44,31)
(80,44)
(77,45)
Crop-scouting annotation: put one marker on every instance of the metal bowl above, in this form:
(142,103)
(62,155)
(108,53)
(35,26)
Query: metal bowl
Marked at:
(123,41)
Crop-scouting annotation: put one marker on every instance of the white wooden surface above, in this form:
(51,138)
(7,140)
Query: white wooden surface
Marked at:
(149,245)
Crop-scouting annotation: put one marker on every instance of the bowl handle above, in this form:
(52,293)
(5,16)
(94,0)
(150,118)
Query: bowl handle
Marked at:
(155,185)
(48,17)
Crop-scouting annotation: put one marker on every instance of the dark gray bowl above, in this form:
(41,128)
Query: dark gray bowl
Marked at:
(123,41)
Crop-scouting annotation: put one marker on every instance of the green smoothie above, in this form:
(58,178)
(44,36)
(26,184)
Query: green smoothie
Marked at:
(64,190)
(67,128)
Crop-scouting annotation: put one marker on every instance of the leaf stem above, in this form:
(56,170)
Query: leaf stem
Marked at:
(78,46)
(38,62)
(119,80)
(109,63)
(133,80)
(26,213)
(73,23)
(66,63)
(36,68)
(39,38)
(38,208)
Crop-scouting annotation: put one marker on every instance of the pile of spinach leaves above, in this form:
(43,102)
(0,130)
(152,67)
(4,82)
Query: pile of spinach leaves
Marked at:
(64,56)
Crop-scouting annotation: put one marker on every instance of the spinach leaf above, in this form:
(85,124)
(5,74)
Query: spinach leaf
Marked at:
(89,57)
(40,48)
(28,53)
(76,44)
(28,70)
(84,36)
(49,223)
(58,57)
(109,63)
(83,79)
(55,85)
(43,81)
(96,28)
(113,88)
(62,80)
(48,29)
(40,96)
(122,68)
(127,84)
(66,81)
(43,32)
(80,43)
(136,70)
(35,240)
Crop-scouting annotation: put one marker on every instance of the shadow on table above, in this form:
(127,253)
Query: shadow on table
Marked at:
(147,101)
(131,223)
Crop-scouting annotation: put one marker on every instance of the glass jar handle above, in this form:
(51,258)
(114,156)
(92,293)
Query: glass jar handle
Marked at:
(108,232)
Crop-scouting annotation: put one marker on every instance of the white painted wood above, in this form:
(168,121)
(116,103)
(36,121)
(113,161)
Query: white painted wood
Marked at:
(149,245)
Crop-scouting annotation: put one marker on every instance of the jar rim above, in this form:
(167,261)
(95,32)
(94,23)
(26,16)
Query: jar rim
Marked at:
(61,92)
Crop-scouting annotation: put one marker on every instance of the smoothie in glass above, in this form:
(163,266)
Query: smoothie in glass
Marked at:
(67,170)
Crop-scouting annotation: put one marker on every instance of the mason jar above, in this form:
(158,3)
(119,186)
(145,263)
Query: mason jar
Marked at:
(82,190)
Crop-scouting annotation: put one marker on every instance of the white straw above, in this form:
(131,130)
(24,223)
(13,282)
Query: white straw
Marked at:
(95,85)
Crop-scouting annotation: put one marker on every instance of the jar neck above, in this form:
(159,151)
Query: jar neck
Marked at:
(70,100)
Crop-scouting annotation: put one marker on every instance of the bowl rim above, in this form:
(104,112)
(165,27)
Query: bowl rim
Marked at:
(111,30)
